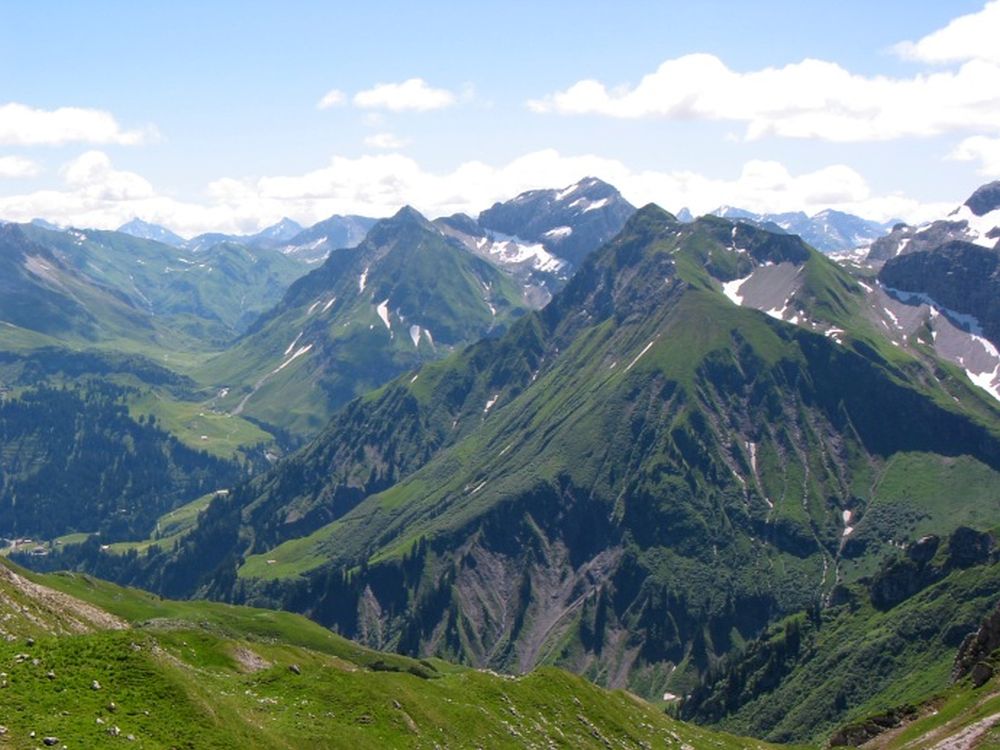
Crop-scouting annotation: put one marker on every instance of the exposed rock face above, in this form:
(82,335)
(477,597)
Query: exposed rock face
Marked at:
(855,735)
(985,199)
(904,239)
(595,211)
(976,648)
(977,221)
(957,275)
(903,577)
(968,547)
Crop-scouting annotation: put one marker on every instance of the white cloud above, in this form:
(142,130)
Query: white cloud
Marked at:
(969,37)
(386,141)
(809,99)
(96,194)
(92,175)
(332,98)
(18,166)
(982,149)
(26,126)
(413,94)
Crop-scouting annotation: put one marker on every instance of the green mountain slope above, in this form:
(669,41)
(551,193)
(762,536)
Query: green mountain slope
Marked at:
(404,296)
(886,641)
(630,483)
(210,295)
(87,663)
(43,301)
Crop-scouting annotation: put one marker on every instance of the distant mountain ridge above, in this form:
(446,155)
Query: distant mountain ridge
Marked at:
(976,221)
(541,236)
(146,231)
(828,231)
(406,295)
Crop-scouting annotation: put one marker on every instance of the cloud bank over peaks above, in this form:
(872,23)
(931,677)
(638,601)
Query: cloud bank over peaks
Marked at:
(94,193)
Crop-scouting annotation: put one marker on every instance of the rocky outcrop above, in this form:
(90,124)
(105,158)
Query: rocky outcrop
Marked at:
(857,734)
(904,239)
(593,210)
(976,649)
(902,577)
(960,276)
(985,199)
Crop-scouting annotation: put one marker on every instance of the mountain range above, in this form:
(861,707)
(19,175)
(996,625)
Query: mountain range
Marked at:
(629,483)
(828,231)
(714,455)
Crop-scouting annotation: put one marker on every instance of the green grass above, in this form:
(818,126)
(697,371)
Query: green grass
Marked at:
(205,675)
(870,660)
(199,425)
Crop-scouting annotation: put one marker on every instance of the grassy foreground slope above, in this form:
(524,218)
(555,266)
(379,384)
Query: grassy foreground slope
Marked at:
(88,664)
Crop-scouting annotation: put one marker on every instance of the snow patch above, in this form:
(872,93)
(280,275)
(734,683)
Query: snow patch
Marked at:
(383,312)
(732,289)
(977,226)
(558,232)
(513,251)
(363,279)
(298,353)
(969,322)
(564,194)
(594,205)
(415,335)
(489,404)
(329,304)
(989,381)
(644,350)
(291,346)
(778,313)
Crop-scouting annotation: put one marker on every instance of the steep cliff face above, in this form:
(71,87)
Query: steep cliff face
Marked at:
(958,275)
(974,654)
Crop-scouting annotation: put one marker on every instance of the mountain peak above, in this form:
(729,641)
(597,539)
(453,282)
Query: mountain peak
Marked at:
(146,231)
(986,198)
(652,212)
(408,215)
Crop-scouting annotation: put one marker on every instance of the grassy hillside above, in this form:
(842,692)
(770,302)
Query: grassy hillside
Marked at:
(89,663)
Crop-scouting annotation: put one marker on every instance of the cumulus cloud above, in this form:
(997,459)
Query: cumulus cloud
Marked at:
(18,166)
(386,141)
(96,194)
(983,149)
(413,94)
(969,37)
(332,98)
(808,99)
(26,126)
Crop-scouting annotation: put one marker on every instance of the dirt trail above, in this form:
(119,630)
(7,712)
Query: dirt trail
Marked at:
(55,610)
(969,737)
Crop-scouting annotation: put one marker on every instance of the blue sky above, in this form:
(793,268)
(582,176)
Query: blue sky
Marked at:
(205,115)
